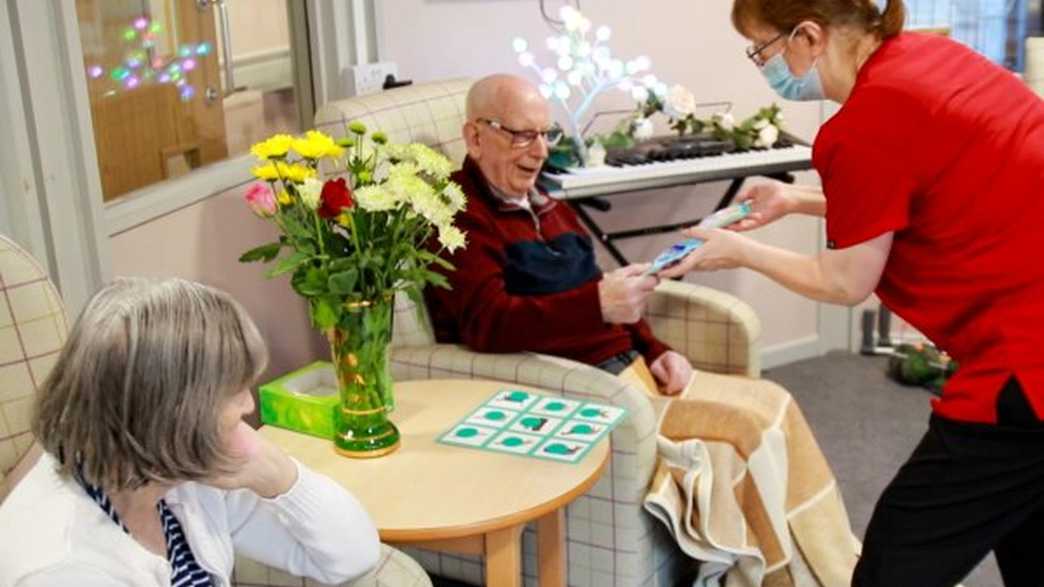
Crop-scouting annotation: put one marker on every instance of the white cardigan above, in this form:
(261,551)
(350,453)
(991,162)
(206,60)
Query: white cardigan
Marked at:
(53,533)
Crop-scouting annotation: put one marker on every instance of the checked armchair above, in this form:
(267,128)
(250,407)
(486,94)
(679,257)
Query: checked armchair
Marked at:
(611,540)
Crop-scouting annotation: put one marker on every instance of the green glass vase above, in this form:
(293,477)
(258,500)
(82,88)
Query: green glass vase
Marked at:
(359,348)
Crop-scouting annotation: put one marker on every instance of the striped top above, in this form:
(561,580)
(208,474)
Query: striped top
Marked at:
(184,570)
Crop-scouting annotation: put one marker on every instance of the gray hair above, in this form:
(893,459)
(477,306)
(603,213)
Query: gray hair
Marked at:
(137,390)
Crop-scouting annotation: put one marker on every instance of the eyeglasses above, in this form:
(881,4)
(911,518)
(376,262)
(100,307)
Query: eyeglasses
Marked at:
(520,139)
(754,51)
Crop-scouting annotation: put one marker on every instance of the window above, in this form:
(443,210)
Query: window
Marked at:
(176,85)
(996,28)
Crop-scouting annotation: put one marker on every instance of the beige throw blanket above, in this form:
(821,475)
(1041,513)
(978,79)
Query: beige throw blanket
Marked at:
(743,487)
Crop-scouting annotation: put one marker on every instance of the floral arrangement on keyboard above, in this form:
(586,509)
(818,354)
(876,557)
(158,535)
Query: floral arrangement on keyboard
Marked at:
(759,131)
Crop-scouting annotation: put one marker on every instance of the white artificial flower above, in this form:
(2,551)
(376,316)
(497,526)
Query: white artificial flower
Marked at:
(643,129)
(451,237)
(767,136)
(680,102)
(760,124)
(310,190)
(725,120)
(595,155)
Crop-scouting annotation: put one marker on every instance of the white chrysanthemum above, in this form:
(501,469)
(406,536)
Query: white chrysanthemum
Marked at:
(760,124)
(680,102)
(767,136)
(422,198)
(455,196)
(310,190)
(381,169)
(431,161)
(451,237)
(375,198)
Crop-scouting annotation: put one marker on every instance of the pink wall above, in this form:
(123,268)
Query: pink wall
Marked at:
(202,243)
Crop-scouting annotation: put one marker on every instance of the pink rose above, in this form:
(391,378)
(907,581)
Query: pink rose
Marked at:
(261,199)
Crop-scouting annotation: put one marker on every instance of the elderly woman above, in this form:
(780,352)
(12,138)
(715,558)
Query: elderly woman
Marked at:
(150,475)
(932,172)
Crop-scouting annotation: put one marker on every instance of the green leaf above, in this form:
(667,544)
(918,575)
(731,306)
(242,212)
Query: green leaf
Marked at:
(438,260)
(263,253)
(324,313)
(437,279)
(309,282)
(344,282)
(288,264)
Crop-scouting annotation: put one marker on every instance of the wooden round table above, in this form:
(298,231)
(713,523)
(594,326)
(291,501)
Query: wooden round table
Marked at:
(456,499)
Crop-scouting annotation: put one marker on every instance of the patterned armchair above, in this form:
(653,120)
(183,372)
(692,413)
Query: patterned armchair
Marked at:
(611,540)
(33,327)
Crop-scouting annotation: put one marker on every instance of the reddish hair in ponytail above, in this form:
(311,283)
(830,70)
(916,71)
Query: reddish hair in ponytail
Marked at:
(784,15)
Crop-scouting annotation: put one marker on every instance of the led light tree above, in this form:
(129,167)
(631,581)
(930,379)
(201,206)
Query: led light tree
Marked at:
(586,69)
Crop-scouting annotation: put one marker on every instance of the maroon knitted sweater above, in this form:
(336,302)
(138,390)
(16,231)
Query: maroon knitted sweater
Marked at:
(527,281)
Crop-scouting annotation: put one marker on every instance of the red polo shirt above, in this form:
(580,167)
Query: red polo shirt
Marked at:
(946,150)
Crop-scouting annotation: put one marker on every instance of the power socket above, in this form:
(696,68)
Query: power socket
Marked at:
(368,78)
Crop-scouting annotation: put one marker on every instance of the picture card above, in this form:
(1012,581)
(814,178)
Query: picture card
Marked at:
(513,399)
(581,430)
(601,414)
(557,449)
(535,424)
(555,406)
(495,417)
(513,442)
(468,435)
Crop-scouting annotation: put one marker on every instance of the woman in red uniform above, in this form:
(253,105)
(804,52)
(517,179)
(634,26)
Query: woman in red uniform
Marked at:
(933,192)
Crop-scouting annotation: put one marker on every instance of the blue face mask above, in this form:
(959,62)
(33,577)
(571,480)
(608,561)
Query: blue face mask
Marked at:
(788,85)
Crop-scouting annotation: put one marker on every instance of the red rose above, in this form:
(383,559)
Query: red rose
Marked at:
(335,197)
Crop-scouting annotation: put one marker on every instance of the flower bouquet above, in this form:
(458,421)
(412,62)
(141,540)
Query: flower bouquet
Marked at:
(355,215)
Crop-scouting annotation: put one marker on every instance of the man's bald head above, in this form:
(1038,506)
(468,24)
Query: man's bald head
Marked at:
(500,108)
(497,95)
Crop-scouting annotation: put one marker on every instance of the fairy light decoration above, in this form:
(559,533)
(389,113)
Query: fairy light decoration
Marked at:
(138,66)
(584,69)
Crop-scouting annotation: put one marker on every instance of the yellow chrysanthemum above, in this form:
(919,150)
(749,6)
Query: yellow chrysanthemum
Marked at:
(343,220)
(267,172)
(284,198)
(276,146)
(295,172)
(316,145)
(279,170)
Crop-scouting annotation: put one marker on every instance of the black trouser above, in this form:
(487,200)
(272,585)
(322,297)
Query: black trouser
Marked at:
(966,489)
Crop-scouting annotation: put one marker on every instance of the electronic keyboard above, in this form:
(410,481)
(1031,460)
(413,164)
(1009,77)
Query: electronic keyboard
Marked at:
(675,161)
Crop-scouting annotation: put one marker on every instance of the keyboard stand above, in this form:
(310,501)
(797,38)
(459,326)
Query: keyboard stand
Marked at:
(602,204)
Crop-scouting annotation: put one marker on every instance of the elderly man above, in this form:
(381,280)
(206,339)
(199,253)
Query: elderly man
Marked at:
(527,280)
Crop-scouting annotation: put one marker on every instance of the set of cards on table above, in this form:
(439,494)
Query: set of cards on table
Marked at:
(523,423)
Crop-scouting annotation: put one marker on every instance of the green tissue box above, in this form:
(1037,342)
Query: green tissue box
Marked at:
(303,401)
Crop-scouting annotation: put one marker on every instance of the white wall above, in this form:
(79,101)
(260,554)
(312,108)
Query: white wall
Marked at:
(689,42)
